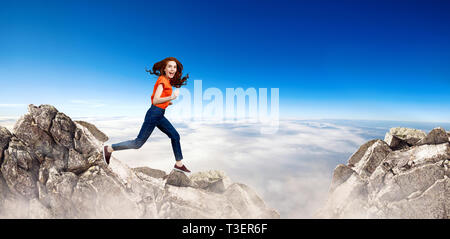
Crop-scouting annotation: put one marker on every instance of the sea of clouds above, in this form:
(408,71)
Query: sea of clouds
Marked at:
(291,169)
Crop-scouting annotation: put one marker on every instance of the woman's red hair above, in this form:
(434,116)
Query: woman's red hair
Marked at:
(177,80)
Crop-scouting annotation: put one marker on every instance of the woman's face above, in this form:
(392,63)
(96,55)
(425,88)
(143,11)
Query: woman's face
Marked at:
(171,69)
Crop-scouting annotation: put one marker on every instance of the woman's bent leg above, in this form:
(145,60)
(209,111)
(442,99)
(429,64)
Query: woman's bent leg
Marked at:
(165,126)
(151,119)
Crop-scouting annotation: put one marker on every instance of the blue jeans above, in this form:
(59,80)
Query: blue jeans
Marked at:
(154,117)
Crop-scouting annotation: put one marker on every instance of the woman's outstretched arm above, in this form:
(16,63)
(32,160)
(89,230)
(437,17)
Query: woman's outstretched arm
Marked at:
(157,99)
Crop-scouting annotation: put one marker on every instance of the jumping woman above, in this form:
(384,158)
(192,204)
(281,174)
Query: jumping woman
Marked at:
(169,72)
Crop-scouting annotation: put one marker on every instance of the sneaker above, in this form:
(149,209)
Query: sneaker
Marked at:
(106,155)
(181,169)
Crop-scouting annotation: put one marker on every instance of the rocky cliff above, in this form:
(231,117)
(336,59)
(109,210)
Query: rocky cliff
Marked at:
(406,175)
(52,167)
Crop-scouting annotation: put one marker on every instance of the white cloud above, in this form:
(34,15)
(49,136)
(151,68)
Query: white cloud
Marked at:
(291,169)
(8,122)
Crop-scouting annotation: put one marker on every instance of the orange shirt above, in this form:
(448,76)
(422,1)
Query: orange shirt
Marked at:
(167,90)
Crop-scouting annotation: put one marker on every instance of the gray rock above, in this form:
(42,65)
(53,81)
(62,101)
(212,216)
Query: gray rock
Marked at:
(43,115)
(58,193)
(372,158)
(395,142)
(212,180)
(436,136)
(63,130)
(19,169)
(247,203)
(85,142)
(77,163)
(40,142)
(400,186)
(191,203)
(99,194)
(431,204)
(348,200)
(340,174)
(410,136)
(218,186)
(356,157)
(238,201)
(178,179)
(5,137)
(4,191)
(99,135)
(155,173)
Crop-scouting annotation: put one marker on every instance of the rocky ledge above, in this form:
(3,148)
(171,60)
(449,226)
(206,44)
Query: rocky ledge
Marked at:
(406,175)
(52,167)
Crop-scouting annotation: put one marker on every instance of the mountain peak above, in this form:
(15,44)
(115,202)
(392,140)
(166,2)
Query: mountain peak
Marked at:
(406,175)
(52,167)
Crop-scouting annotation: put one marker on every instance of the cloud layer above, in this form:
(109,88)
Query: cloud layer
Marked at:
(291,169)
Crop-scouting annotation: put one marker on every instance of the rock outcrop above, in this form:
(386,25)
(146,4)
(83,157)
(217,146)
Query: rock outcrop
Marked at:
(404,176)
(52,167)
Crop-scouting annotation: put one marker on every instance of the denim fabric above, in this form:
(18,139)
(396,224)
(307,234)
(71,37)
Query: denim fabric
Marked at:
(154,117)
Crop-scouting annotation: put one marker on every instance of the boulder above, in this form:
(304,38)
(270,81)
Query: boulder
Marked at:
(356,157)
(154,173)
(340,174)
(178,179)
(395,142)
(99,135)
(435,136)
(43,115)
(372,158)
(63,130)
(85,142)
(212,180)
(192,203)
(410,136)
(5,137)
(77,163)
(19,169)
(248,203)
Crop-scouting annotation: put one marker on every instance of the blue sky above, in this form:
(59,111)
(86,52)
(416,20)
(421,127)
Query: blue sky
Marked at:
(383,60)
